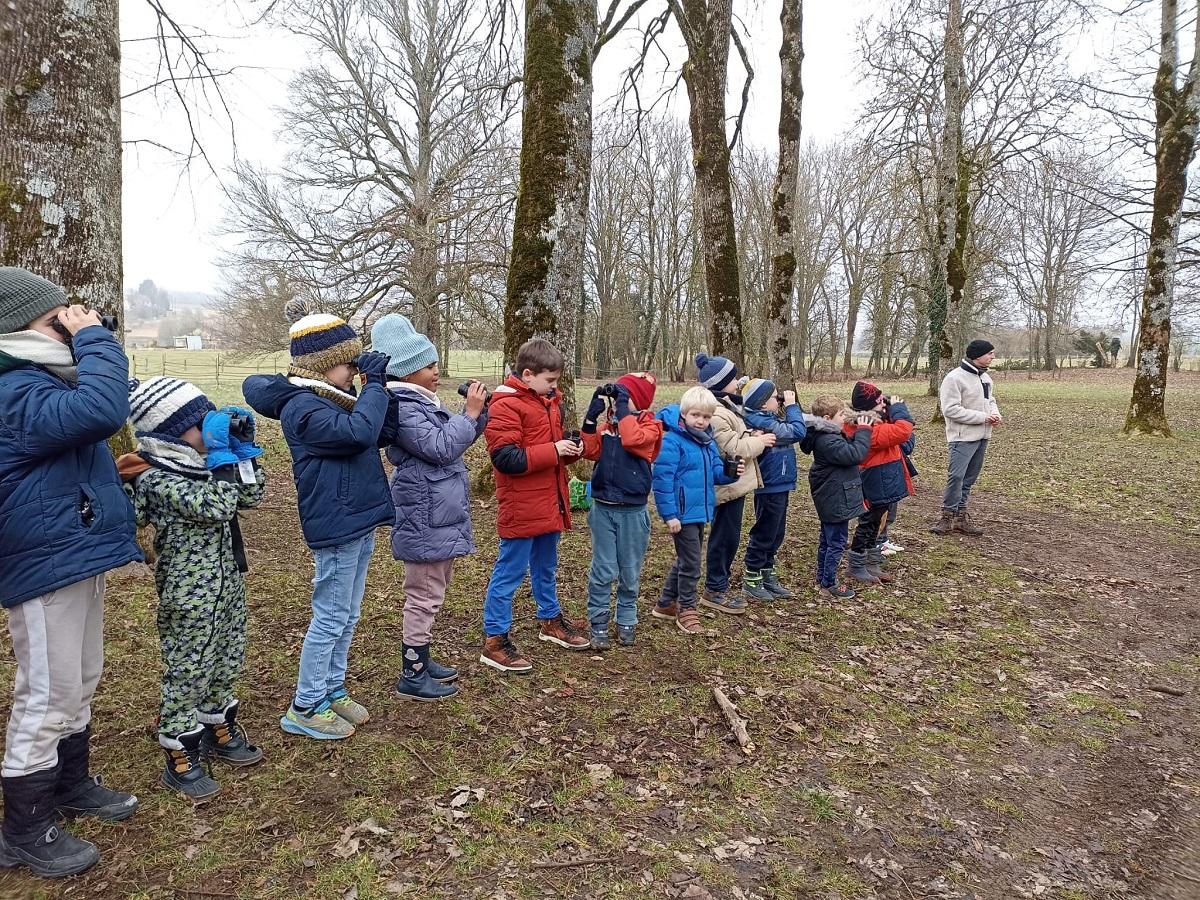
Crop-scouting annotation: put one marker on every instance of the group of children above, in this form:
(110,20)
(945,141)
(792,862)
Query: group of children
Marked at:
(70,516)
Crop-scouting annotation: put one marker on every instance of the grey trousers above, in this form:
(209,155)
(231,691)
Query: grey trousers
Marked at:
(58,640)
(966,462)
(684,573)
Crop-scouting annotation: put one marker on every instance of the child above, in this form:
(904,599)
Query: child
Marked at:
(684,474)
(885,477)
(189,484)
(778,469)
(624,446)
(529,455)
(64,522)
(888,547)
(733,438)
(432,525)
(343,496)
(836,484)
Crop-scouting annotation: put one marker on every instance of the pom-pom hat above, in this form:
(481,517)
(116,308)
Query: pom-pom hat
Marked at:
(320,341)
(715,372)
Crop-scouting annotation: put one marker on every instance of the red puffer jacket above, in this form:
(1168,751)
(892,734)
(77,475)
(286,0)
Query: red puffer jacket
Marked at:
(531,481)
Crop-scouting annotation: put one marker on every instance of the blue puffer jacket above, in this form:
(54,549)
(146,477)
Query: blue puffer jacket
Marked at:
(64,516)
(341,489)
(429,485)
(686,470)
(777,465)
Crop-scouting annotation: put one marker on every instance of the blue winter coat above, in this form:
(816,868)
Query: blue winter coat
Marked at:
(64,516)
(685,472)
(777,465)
(341,489)
(429,485)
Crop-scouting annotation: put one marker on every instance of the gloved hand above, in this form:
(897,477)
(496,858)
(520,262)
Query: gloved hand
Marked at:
(215,433)
(595,409)
(373,366)
(243,449)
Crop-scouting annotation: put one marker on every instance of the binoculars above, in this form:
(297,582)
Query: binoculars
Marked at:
(466,386)
(607,390)
(241,427)
(575,437)
(109,322)
(731,465)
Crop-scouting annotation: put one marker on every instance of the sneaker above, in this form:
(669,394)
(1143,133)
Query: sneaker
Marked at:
(837,592)
(600,637)
(626,635)
(564,633)
(771,582)
(501,653)
(354,713)
(320,722)
(752,586)
(890,548)
(668,610)
(688,621)
(723,602)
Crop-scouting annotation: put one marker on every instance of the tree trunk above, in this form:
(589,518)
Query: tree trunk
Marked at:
(1177,112)
(545,275)
(707,33)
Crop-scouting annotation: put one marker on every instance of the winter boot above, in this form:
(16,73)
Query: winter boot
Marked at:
(772,583)
(225,739)
(626,635)
(945,524)
(600,639)
(875,565)
(184,772)
(444,674)
(501,653)
(857,564)
(752,586)
(963,525)
(416,683)
(30,837)
(81,794)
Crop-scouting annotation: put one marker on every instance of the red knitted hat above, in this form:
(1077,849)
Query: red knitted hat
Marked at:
(641,387)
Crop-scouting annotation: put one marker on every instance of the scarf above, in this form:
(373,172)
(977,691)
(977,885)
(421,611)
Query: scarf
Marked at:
(21,347)
(172,456)
(315,382)
(426,395)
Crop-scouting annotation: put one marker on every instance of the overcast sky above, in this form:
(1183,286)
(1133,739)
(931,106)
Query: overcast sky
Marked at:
(172,214)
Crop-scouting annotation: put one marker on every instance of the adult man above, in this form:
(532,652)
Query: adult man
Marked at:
(968,403)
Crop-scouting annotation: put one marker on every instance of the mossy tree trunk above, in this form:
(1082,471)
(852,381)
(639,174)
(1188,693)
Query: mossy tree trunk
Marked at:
(1177,112)
(545,275)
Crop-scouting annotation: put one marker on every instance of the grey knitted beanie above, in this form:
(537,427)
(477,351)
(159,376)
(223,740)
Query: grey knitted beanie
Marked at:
(25,296)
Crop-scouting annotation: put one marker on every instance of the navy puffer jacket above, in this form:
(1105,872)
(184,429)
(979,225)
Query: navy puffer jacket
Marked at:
(835,478)
(429,485)
(64,516)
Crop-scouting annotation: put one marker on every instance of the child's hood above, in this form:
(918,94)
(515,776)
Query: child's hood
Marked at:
(817,426)
(672,420)
(269,394)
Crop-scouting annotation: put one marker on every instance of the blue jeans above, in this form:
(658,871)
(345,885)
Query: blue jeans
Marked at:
(620,535)
(336,605)
(539,557)
(723,541)
(830,550)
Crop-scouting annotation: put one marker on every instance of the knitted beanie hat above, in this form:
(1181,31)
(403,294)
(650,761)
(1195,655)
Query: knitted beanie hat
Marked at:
(25,296)
(757,391)
(865,395)
(977,348)
(166,406)
(715,372)
(410,351)
(320,341)
(641,387)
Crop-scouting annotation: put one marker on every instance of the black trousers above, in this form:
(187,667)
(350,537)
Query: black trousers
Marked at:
(766,537)
(723,543)
(868,528)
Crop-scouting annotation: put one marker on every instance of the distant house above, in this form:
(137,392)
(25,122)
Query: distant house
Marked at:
(189,342)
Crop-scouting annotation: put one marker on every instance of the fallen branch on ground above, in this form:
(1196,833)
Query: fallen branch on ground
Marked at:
(736,722)
(569,863)
(1167,689)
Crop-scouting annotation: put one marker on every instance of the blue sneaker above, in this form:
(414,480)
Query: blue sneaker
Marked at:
(320,723)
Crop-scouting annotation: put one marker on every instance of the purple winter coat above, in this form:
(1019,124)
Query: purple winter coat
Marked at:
(429,484)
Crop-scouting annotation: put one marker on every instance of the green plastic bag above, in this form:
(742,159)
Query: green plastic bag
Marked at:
(580,493)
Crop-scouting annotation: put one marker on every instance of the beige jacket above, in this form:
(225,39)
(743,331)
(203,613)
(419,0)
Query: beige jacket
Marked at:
(966,406)
(734,438)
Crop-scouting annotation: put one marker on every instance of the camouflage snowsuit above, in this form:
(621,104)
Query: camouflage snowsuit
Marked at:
(201,593)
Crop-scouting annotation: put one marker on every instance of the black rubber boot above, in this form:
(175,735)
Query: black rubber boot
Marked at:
(30,837)
(444,674)
(80,793)
(857,564)
(417,683)
(226,740)
(185,772)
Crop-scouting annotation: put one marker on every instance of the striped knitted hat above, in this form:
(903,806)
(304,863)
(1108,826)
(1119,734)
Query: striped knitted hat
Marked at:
(757,391)
(320,341)
(715,372)
(166,406)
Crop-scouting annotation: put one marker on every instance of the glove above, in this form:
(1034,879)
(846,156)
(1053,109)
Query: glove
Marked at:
(373,366)
(215,433)
(243,449)
(595,408)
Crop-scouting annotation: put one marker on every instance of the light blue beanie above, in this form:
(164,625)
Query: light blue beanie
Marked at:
(410,350)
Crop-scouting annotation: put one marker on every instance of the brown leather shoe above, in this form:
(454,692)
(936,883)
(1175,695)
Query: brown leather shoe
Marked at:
(501,653)
(945,524)
(670,611)
(563,632)
(962,524)
(688,621)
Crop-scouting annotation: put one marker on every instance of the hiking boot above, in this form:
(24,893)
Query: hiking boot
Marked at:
(626,635)
(318,722)
(752,586)
(688,621)
(857,564)
(963,525)
(185,772)
(79,793)
(668,610)
(30,837)
(875,565)
(501,653)
(444,674)
(564,633)
(416,682)
(600,637)
(837,592)
(945,524)
(772,583)
(225,738)
(723,602)
(354,713)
